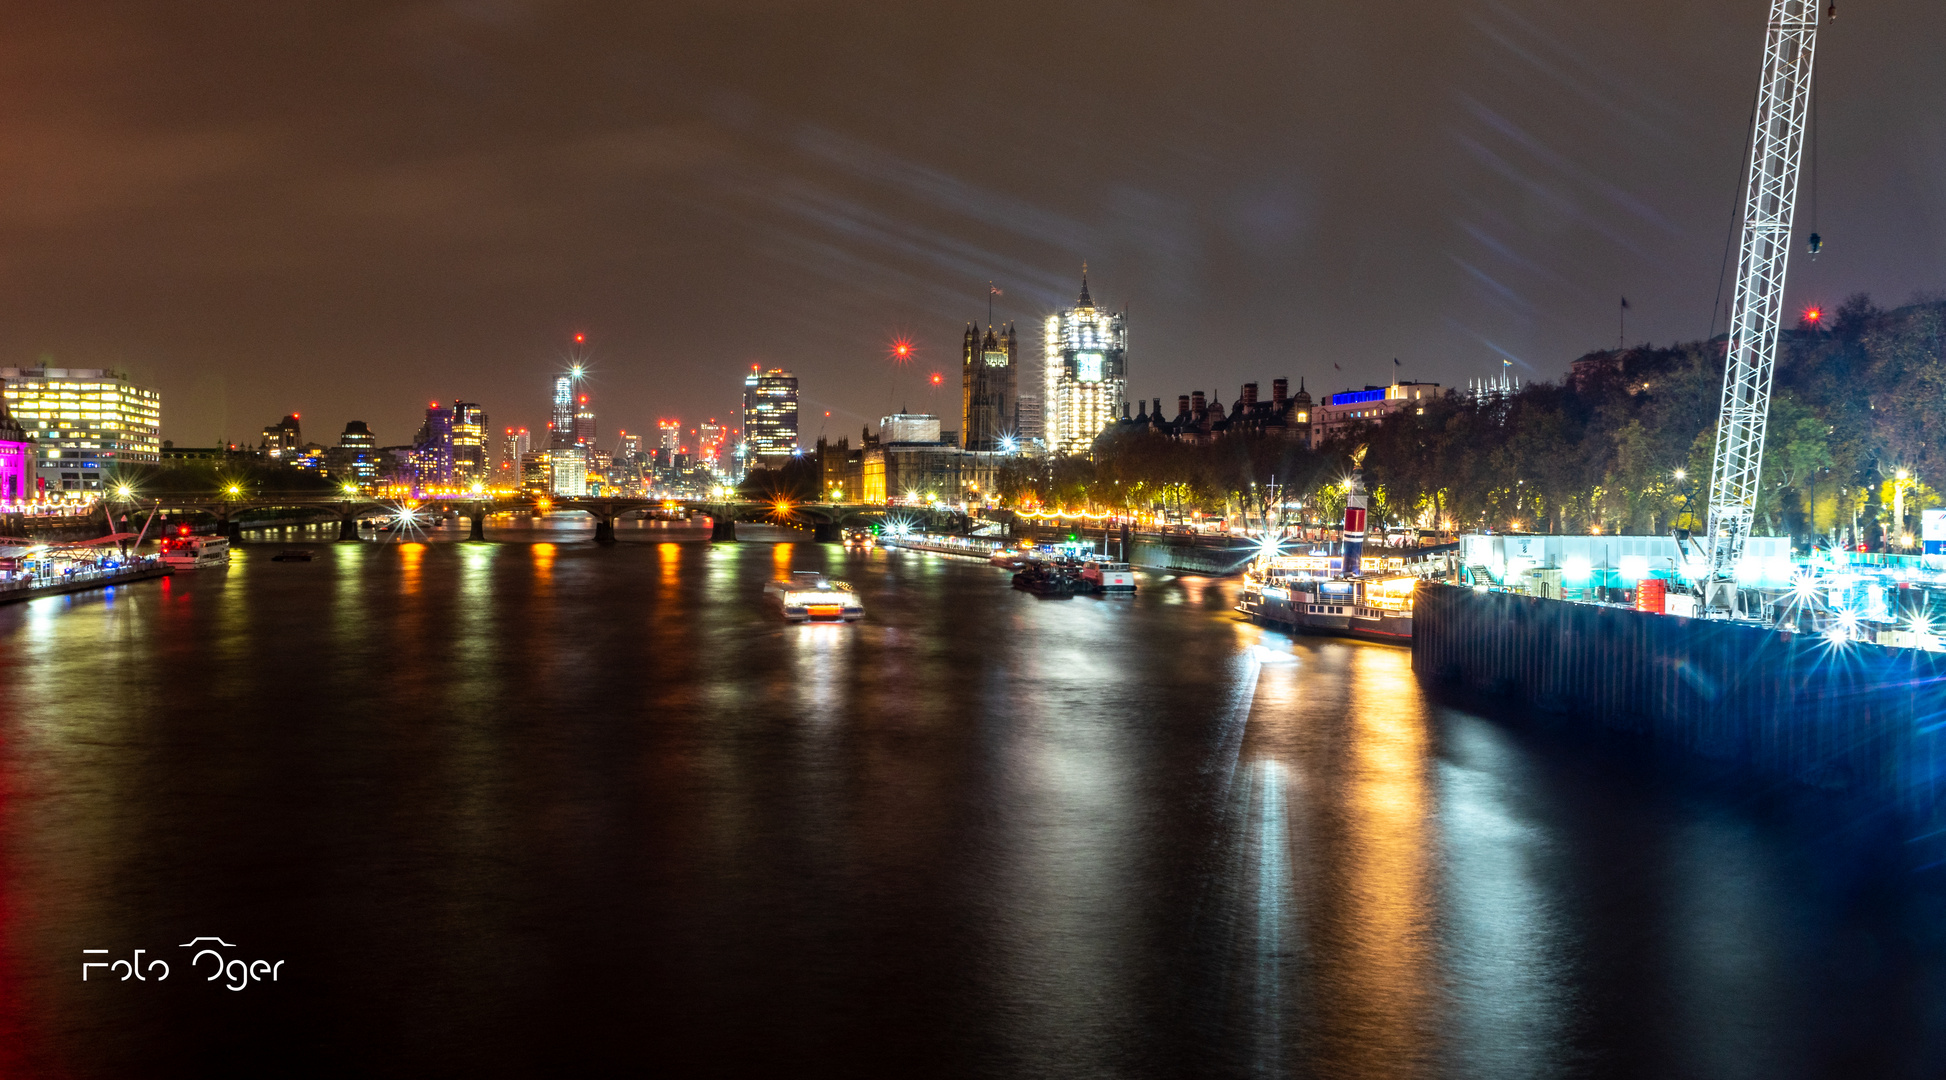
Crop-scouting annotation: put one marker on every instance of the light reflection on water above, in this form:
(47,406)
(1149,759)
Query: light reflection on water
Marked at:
(560,788)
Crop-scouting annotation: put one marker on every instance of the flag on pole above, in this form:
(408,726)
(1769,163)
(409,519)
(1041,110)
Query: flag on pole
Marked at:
(991,288)
(1335,367)
(1624,303)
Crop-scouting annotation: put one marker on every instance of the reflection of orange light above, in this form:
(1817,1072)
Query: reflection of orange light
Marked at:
(1387,803)
(543,559)
(669,553)
(412,553)
(781,555)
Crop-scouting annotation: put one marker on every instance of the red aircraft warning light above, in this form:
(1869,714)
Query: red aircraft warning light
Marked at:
(1814,315)
(579,338)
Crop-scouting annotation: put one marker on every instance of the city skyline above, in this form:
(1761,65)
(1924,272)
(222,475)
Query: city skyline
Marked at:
(1528,177)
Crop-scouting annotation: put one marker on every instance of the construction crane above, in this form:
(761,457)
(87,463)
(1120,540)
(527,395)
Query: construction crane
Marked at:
(1770,196)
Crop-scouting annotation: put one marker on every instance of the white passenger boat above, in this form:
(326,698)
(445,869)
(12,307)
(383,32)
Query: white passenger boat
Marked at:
(809,596)
(1309,593)
(195,552)
(1109,577)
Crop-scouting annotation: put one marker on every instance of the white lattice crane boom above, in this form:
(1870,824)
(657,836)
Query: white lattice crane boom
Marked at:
(1770,196)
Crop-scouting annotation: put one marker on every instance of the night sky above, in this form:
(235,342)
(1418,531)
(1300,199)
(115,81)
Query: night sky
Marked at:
(350,209)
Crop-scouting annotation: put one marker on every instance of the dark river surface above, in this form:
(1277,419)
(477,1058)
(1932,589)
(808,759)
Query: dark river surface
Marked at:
(531,808)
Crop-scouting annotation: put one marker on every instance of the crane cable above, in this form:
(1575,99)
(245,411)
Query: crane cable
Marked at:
(1814,242)
(1736,211)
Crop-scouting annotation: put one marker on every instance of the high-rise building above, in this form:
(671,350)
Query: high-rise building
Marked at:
(989,389)
(82,421)
(282,440)
(537,472)
(1086,375)
(770,417)
(584,425)
(568,471)
(469,443)
(432,449)
(514,445)
(710,437)
(628,451)
(355,458)
(669,436)
(561,427)
(16,461)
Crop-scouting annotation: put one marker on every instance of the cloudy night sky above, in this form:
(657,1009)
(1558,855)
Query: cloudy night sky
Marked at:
(350,209)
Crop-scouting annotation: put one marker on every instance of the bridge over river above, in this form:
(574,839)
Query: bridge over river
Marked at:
(237,511)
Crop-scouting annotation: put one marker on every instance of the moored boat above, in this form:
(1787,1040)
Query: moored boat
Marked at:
(1051,579)
(1113,578)
(1010,559)
(1302,593)
(194,552)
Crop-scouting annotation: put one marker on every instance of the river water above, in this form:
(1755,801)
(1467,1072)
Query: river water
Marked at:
(539,806)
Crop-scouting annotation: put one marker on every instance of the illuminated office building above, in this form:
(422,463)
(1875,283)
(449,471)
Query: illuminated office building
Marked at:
(669,437)
(568,471)
(16,460)
(584,425)
(710,436)
(629,450)
(82,421)
(770,417)
(282,440)
(355,458)
(469,442)
(514,445)
(432,449)
(560,428)
(989,390)
(1086,374)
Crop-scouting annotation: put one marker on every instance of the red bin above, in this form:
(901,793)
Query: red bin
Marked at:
(1649,593)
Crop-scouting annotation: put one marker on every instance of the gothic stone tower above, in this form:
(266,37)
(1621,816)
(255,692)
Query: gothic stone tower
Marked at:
(988,388)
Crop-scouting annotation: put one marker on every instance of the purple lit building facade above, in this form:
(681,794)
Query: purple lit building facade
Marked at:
(16,461)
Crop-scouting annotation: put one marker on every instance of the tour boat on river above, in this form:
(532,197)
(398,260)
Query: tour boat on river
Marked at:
(195,552)
(1308,593)
(809,596)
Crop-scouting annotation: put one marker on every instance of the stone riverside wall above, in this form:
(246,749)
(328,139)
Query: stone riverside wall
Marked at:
(1862,718)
